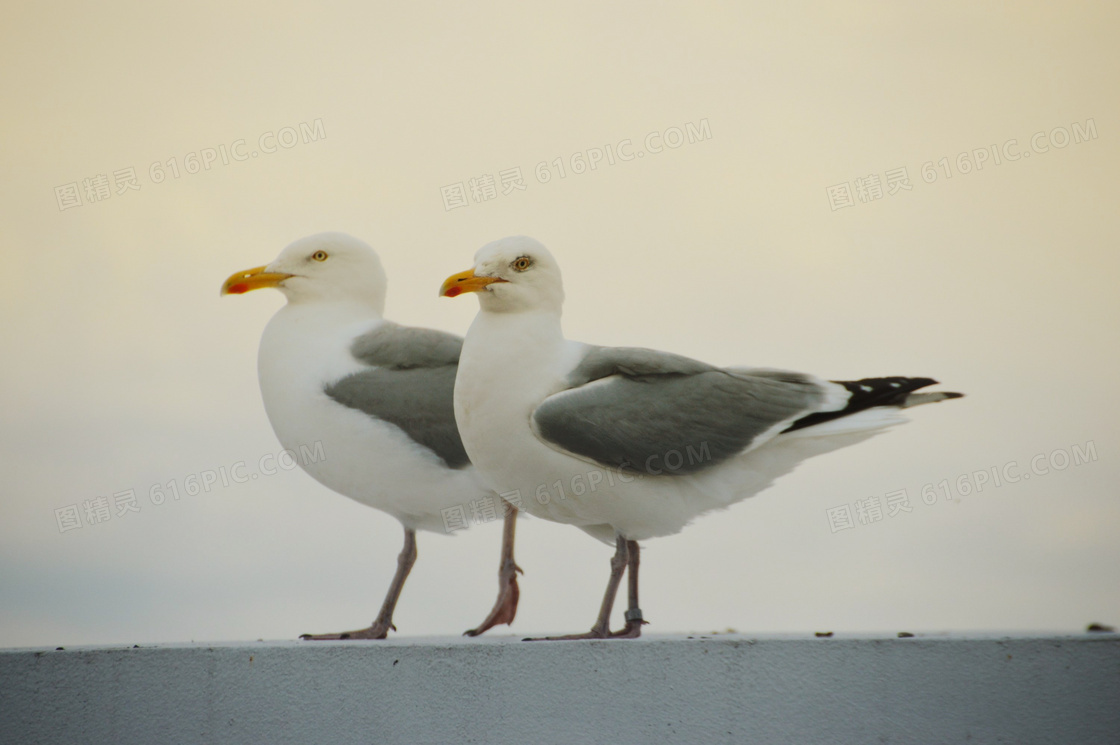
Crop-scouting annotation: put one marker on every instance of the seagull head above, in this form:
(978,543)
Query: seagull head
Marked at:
(319,268)
(510,275)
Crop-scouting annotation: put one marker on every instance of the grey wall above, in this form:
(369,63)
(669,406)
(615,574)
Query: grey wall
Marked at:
(661,689)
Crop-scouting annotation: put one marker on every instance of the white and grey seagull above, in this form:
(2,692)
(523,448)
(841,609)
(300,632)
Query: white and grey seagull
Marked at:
(376,394)
(628,443)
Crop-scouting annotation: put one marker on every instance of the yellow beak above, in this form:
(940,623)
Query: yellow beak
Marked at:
(252,279)
(466,281)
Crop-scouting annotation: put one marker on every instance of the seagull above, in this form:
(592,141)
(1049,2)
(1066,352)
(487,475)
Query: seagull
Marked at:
(378,397)
(629,443)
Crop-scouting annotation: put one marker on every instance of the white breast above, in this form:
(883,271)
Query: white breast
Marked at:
(305,348)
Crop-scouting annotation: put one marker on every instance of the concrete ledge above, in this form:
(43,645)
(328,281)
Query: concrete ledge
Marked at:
(660,689)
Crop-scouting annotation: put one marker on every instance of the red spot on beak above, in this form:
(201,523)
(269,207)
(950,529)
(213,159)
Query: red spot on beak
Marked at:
(453,292)
(238,289)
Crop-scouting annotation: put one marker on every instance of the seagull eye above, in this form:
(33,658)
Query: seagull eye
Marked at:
(319,256)
(521,264)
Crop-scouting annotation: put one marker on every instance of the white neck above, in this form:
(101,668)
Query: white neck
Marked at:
(325,314)
(512,341)
(510,362)
(305,344)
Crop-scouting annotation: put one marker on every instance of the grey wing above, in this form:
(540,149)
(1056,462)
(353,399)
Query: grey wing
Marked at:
(410,383)
(405,347)
(653,412)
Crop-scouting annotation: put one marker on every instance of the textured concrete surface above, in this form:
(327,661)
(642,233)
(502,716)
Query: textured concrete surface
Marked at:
(661,689)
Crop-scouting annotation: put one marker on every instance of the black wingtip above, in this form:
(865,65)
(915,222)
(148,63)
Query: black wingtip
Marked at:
(871,392)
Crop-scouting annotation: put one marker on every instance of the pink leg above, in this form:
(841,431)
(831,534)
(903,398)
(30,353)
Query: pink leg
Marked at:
(601,630)
(505,607)
(634,622)
(384,620)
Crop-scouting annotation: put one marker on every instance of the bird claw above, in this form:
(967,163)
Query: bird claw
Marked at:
(505,607)
(376,631)
(632,630)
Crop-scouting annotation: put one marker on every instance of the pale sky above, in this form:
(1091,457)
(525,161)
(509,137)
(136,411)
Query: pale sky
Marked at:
(772,238)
